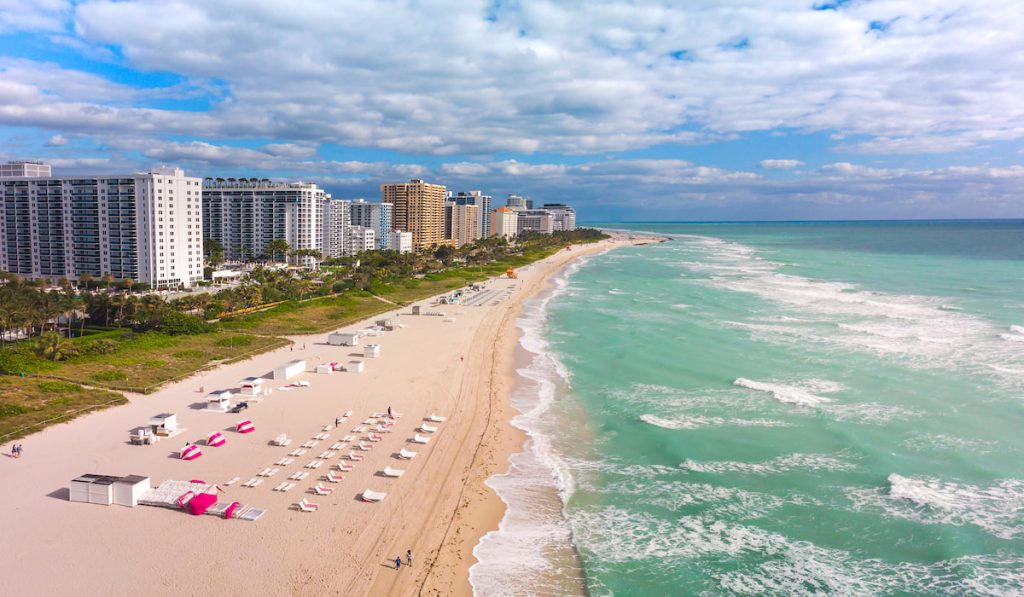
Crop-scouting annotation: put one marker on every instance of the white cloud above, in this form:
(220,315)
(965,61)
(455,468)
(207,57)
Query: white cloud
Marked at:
(779,164)
(57,141)
(556,77)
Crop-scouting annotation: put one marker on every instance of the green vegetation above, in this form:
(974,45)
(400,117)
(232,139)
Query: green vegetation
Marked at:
(27,405)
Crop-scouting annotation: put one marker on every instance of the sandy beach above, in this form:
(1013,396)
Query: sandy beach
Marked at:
(461,369)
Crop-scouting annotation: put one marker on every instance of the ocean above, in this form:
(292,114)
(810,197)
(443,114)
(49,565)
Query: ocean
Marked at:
(773,409)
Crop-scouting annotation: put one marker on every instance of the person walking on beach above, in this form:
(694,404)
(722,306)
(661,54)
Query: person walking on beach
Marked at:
(389,413)
(19,446)
(398,563)
(408,557)
(14,450)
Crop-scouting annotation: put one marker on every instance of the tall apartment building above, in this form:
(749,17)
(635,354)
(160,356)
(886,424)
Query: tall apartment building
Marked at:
(515,201)
(465,223)
(400,241)
(145,226)
(374,215)
(483,202)
(505,222)
(336,224)
(535,220)
(419,209)
(27,168)
(564,216)
(245,216)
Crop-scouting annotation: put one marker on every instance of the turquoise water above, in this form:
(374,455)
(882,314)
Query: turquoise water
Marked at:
(776,409)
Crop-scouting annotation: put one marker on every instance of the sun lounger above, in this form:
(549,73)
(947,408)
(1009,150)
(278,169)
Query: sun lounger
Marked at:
(315,463)
(392,472)
(365,447)
(373,496)
(289,487)
(328,454)
(359,429)
(348,438)
(419,439)
(345,467)
(330,476)
(436,419)
(298,476)
(297,452)
(407,454)
(383,429)
(306,506)
(255,483)
(281,440)
(264,473)
(328,427)
(370,421)
(373,437)
(355,456)
(231,482)
(285,461)
(250,482)
(322,436)
(281,486)
(427,429)
(321,490)
(347,414)
(337,446)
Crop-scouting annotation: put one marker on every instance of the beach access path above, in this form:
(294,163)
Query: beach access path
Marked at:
(439,508)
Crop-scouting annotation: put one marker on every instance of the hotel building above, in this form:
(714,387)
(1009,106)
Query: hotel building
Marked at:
(564,216)
(377,216)
(336,224)
(145,226)
(400,241)
(504,222)
(465,223)
(245,216)
(483,202)
(419,209)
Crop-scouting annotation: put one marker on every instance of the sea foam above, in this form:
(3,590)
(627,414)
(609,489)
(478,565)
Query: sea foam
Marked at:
(800,395)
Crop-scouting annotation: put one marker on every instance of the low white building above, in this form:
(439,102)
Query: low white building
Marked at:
(361,238)
(535,220)
(400,241)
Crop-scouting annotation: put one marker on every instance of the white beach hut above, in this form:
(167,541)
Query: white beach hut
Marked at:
(371,351)
(290,369)
(325,368)
(251,386)
(128,490)
(164,424)
(79,489)
(355,366)
(219,401)
(101,490)
(340,338)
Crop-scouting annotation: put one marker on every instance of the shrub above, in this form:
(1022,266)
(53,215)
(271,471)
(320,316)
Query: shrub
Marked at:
(109,376)
(11,410)
(155,363)
(183,324)
(189,354)
(59,387)
(101,346)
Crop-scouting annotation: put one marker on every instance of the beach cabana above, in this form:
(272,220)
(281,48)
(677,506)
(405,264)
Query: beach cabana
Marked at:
(101,490)
(245,426)
(290,369)
(128,490)
(340,338)
(387,325)
(79,489)
(251,386)
(371,351)
(190,452)
(215,439)
(355,366)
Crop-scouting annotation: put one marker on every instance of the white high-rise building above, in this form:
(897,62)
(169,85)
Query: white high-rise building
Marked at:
(505,222)
(361,238)
(373,215)
(147,226)
(400,241)
(564,216)
(246,215)
(336,224)
(515,201)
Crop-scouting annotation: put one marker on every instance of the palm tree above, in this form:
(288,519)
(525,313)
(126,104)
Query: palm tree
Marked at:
(277,246)
(85,280)
(107,278)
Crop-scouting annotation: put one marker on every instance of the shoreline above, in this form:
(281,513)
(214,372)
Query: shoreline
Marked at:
(440,508)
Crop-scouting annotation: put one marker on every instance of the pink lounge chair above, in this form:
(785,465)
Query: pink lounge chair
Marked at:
(373,437)
(321,490)
(365,447)
(330,476)
(307,506)
(356,456)
(345,467)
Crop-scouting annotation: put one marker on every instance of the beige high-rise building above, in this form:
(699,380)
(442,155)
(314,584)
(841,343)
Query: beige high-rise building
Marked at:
(419,209)
(465,223)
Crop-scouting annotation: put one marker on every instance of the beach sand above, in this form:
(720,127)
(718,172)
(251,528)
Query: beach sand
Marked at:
(462,369)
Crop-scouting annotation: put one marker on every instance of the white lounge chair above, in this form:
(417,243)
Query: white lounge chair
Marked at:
(347,414)
(348,438)
(359,429)
(427,429)
(250,482)
(373,496)
(264,473)
(321,490)
(392,472)
(356,456)
(298,476)
(369,421)
(297,452)
(307,506)
(383,429)
(436,419)
(330,476)
(288,487)
(337,446)
(407,454)
(232,481)
(419,439)
(281,486)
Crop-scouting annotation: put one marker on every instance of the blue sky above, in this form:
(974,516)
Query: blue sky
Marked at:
(638,110)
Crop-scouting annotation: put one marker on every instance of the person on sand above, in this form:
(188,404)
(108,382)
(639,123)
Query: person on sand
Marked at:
(408,557)
(389,413)
(14,450)
(398,563)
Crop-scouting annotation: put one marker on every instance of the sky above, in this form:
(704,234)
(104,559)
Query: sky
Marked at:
(630,110)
